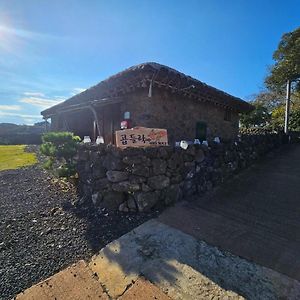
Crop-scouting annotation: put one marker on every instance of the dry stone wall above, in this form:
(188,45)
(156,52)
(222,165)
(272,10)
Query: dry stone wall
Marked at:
(140,179)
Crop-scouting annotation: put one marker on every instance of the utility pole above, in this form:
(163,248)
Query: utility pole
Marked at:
(287,107)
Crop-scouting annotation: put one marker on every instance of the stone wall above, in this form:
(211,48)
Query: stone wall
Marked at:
(178,114)
(139,179)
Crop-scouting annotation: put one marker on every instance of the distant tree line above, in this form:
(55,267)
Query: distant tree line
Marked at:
(12,134)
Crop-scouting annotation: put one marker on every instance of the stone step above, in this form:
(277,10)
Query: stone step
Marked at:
(75,282)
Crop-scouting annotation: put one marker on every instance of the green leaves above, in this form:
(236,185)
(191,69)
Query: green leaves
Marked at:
(60,147)
(287,62)
(259,117)
(270,103)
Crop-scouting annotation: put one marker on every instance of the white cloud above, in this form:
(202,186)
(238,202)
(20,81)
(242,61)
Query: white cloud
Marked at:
(12,114)
(10,107)
(40,101)
(27,34)
(34,94)
(77,90)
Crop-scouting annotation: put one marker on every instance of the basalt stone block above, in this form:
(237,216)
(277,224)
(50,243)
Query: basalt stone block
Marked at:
(101,184)
(216,176)
(190,173)
(98,171)
(151,152)
(123,207)
(188,157)
(146,187)
(172,194)
(146,161)
(145,201)
(88,167)
(189,188)
(116,152)
(175,161)
(96,198)
(132,152)
(140,170)
(116,176)
(80,166)
(137,179)
(112,200)
(159,166)
(95,156)
(125,186)
(87,189)
(191,150)
(199,156)
(209,185)
(86,178)
(111,162)
(131,203)
(164,152)
(133,160)
(177,178)
(159,182)
(84,155)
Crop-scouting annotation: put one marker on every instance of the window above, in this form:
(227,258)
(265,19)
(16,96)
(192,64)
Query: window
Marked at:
(227,116)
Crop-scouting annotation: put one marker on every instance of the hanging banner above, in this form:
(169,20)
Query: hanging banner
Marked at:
(141,137)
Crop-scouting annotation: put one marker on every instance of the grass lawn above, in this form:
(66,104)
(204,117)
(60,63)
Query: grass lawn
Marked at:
(14,157)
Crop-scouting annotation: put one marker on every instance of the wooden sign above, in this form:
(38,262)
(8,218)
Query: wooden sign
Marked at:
(141,137)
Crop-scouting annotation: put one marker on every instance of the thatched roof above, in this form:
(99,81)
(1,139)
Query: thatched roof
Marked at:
(141,76)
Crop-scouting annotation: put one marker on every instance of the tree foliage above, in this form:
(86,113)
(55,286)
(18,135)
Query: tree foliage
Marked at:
(287,62)
(60,147)
(259,117)
(270,103)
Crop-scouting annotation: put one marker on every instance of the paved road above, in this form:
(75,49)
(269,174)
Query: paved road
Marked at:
(256,215)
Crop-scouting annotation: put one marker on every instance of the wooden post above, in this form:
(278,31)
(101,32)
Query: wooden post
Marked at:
(96,119)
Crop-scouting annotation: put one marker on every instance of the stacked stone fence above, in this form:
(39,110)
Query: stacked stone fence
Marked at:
(140,179)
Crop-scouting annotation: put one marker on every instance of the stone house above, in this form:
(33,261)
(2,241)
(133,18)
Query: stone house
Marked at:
(156,96)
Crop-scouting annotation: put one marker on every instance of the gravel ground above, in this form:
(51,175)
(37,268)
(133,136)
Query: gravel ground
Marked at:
(41,232)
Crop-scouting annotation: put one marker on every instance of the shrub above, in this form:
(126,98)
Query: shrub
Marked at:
(60,148)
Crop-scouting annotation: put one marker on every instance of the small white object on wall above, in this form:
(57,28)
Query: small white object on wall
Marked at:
(100,140)
(184,145)
(87,139)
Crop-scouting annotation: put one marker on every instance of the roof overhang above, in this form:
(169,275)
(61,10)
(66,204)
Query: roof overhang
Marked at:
(58,109)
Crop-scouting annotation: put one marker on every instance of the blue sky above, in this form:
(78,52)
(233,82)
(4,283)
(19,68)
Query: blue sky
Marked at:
(52,49)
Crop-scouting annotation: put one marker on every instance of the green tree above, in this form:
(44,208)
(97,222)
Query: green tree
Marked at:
(60,147)
(259,117)
(268,99)
(278,116)
(287,62)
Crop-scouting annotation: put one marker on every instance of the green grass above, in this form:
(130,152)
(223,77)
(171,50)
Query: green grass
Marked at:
(14,157)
